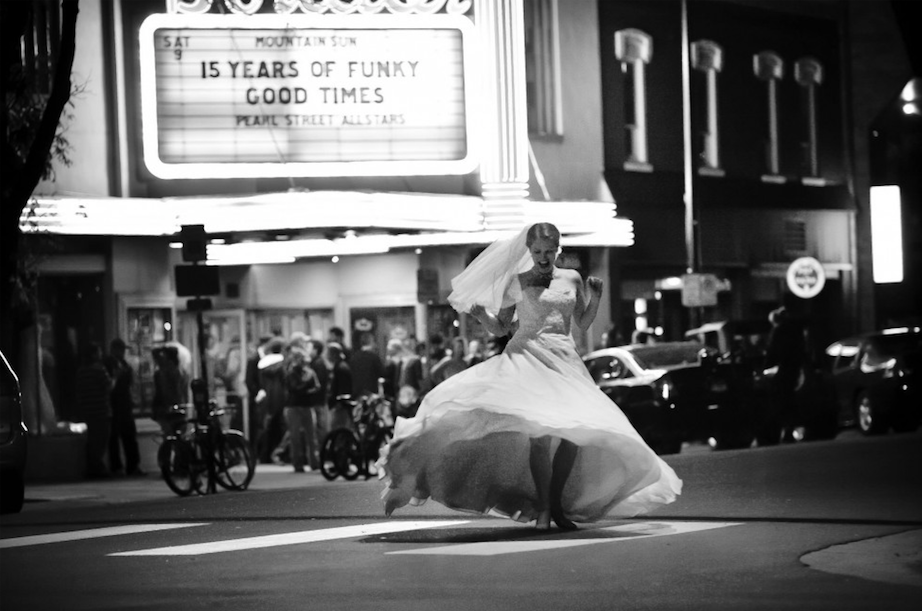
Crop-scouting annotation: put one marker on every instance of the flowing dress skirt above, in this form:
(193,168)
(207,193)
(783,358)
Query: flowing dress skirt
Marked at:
(468,447)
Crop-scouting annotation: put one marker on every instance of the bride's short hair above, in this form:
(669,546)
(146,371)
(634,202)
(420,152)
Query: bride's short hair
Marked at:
(546,231)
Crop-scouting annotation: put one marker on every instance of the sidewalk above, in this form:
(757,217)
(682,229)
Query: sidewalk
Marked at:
(152,487)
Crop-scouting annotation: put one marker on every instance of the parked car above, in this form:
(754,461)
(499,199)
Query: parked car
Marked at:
(12,441)
(741,346)
(670,391)
(876,377)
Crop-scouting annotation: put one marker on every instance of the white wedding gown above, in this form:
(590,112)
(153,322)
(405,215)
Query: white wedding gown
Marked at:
(468,445)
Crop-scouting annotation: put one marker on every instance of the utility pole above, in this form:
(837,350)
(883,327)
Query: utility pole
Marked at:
(691,221)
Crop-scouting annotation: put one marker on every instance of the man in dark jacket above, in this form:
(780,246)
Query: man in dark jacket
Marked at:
(786,351)
(367,367)
(303,385)
(340,385)
(318,402)
(124,433)
(93,386)
(270,400)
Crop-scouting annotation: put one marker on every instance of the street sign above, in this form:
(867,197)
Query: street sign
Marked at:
(197,280)
(699,290)
(806,277)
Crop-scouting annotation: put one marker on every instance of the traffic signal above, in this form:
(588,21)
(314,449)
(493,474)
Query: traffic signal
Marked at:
(193,243)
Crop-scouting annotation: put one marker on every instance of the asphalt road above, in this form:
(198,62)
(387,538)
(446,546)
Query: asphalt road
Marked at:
(824,525)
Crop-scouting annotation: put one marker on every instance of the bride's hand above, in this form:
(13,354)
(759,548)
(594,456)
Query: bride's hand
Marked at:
(594,284)
(478,311)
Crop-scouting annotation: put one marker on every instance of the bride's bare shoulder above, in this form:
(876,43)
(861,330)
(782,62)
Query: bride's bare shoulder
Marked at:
(569,274)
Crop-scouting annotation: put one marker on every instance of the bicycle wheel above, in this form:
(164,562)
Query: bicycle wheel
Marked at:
(374,448)
(234,464)
(351,459)
(340,455)
(328,467)
(176,460)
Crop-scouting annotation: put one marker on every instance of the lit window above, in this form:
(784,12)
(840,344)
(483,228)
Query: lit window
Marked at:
(542,68)
(886,234)
(634,49)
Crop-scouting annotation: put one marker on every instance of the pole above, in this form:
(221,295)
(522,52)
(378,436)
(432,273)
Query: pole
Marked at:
(690,251)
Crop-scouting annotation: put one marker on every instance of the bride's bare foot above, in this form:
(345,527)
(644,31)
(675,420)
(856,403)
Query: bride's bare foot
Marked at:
(543,522)
(562,522)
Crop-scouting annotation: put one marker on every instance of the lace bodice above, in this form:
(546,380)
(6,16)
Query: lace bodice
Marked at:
(545,310)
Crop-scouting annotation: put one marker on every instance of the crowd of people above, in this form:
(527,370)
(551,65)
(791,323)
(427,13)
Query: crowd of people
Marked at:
(297,385)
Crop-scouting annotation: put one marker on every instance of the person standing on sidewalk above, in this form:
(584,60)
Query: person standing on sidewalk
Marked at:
(93,386)
(786,351)
(367,367)
(340,385)
(318,401)
(270,400)
(302,382)
(124,435)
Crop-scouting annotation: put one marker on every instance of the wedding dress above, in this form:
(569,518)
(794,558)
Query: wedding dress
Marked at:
(468,445)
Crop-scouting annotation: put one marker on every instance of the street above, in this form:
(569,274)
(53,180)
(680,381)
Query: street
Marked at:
(822,525)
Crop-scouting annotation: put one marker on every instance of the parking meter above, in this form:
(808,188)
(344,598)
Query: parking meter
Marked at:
(200,398)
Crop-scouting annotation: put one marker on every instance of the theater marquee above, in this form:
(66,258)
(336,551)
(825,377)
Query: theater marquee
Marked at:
(305,95)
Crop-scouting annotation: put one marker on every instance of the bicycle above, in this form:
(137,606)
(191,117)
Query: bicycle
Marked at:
(352,452)
(198,453)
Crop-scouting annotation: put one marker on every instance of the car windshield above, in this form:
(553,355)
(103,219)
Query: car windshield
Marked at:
(667,356)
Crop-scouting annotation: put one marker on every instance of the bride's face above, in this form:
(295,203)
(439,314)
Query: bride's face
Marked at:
(543,254)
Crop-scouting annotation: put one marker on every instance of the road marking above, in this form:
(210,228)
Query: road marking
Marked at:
(612,534)
(307,536)
(93,533)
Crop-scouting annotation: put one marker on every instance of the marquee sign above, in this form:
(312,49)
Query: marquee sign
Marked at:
(304,95)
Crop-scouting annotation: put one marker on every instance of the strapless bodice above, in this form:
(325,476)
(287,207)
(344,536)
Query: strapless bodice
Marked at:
(545,310)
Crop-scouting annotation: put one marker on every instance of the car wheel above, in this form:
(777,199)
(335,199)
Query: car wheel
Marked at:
(868,416)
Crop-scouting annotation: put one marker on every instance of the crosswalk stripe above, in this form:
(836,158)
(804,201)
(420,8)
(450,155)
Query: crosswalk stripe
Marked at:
(307,536)
(92,533)
(627,532)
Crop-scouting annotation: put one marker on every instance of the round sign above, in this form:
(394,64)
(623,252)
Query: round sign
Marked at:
(363,325)
(806,277)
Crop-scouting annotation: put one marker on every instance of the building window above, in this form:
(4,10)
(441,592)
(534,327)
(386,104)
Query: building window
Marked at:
(634,49)
(808,73)
(542,68)
(769,67)
(795,237)
(707,57)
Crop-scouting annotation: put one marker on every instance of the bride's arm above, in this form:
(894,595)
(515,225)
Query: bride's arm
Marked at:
(497,324)
(590,300)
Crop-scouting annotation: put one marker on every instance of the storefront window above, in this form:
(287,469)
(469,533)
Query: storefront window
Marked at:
(147,329)
(384,324)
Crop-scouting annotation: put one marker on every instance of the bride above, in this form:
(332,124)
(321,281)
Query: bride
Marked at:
(525,434)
